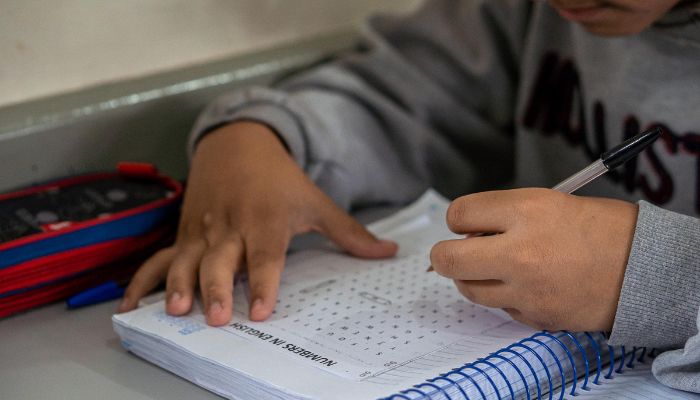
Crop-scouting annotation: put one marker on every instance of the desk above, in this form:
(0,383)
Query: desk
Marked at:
(54,353)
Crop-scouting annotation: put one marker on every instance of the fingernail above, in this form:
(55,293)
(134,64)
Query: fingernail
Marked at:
(256,310)
(257,304)
(215,308)
(175,297)
(123,305)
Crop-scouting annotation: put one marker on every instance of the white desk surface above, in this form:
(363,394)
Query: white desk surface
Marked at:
(54,353)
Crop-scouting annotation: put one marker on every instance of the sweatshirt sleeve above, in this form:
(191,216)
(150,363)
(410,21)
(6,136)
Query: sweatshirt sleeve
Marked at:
(680,369)
(659,303)
(425,100)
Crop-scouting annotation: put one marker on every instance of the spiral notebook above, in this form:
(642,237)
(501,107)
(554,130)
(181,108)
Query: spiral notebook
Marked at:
(346,328)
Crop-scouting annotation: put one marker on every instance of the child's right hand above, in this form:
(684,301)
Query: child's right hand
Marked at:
(245,199)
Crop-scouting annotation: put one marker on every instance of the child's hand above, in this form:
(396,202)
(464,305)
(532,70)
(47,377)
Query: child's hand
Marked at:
(245,199)
(558,262)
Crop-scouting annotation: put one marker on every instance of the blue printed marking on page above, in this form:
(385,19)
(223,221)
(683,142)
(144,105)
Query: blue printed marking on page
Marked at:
(187,326)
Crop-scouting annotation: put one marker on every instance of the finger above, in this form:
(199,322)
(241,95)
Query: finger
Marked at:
(482,212)
(489,293)
(216,273)
(182,278)
(352,236)
(148,276)
(477,258)
(265,261)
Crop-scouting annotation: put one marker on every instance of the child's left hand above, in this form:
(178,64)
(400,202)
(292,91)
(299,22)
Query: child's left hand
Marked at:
(557,263)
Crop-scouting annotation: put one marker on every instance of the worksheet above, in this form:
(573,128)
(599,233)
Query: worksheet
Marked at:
(635,384)
(347,329)
(357,318)
(355,328)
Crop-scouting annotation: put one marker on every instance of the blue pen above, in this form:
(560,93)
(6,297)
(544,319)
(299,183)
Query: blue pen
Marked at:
(109,290)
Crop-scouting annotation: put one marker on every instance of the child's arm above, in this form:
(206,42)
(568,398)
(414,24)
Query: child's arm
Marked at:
(376,126)
(578,263)
(427,100)
(244,201)
(583,263)
(660,295)
(680,368)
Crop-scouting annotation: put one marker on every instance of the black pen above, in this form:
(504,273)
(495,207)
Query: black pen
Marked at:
(611,159)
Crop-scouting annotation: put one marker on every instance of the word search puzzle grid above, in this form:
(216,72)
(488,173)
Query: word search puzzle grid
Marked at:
(373,318)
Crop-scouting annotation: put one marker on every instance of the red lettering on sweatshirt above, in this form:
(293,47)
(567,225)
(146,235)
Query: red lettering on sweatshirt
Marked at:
(557,106)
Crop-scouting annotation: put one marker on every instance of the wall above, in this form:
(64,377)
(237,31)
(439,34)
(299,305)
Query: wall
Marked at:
(51,47)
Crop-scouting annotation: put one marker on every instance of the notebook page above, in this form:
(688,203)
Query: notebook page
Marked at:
(635,384)
(314,357)
(374,315)
(394,324)
(538,369)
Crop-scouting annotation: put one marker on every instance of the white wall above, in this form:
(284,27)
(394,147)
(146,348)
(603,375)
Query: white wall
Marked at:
(49,47)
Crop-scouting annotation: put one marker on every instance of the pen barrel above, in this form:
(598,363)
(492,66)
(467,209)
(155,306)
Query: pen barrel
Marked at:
(581,178)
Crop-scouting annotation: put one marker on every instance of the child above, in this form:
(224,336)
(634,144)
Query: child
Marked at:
(468,97)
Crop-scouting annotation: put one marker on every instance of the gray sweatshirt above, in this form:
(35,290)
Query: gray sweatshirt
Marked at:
(468,96)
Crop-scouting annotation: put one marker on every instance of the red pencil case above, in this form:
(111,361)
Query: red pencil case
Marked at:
(58,238)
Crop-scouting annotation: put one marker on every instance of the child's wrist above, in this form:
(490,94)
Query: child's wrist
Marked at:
(241,136)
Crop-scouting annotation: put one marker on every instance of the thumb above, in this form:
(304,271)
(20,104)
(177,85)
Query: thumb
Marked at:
(352,236)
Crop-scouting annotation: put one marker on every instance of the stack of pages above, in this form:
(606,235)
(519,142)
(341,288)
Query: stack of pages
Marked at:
(346,328)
